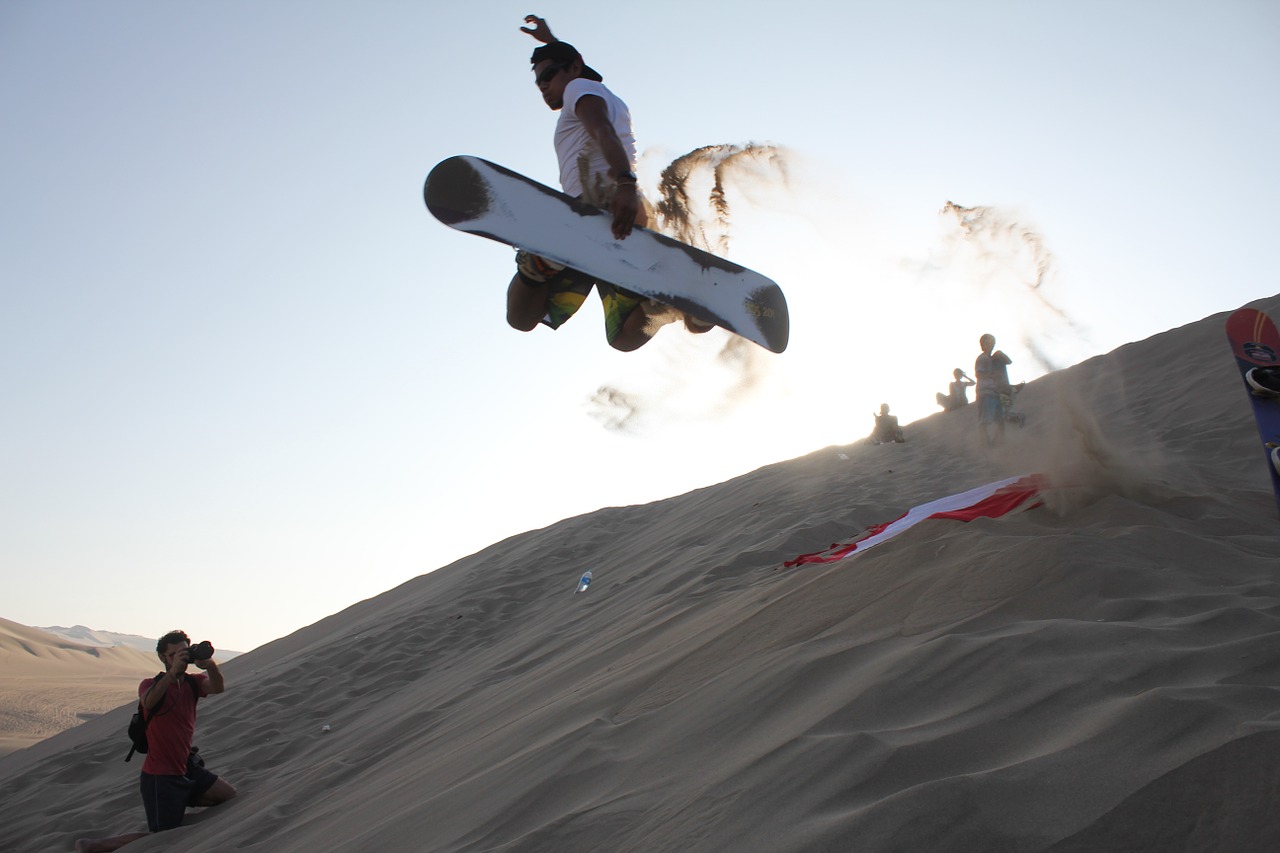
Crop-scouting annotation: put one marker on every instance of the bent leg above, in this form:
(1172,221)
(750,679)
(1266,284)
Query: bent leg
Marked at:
(633,333)
(550,302)
(526,303)
(627,324)
(218,793)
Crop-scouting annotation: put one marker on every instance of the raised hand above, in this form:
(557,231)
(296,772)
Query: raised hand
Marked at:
(539,30)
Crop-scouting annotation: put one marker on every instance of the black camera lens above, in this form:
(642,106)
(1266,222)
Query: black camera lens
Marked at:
(202,650)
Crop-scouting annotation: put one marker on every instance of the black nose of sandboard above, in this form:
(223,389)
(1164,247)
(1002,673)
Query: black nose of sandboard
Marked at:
(455,192)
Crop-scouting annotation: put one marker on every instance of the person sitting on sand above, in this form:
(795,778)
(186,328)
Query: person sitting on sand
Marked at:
(173,776)
(959,396)
(886,429)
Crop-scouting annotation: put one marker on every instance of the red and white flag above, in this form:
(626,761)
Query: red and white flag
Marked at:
(990,501)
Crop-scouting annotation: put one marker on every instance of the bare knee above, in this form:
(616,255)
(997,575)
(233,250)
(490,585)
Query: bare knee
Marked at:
(219,792)
(635,331)
(525,304)
(521,323)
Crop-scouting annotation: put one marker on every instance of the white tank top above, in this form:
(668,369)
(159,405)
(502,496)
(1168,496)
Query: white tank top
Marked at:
(572,139)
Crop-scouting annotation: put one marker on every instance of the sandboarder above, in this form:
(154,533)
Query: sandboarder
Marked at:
(596,149)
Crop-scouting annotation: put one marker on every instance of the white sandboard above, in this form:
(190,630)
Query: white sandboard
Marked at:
(482,198)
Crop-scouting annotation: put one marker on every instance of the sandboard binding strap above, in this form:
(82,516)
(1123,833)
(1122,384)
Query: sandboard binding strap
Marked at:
(1264,381)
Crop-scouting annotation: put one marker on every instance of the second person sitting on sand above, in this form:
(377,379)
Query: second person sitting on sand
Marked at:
(886,429)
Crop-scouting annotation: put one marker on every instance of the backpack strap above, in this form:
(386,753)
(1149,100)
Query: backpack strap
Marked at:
(192,682)
(146,719)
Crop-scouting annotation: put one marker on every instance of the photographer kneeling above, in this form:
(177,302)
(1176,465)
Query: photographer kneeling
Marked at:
(173,777)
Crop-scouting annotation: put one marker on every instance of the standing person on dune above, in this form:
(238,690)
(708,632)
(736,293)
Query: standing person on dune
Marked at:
(596,149)
(994,392)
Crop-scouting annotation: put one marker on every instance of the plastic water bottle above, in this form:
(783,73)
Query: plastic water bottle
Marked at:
(583,583)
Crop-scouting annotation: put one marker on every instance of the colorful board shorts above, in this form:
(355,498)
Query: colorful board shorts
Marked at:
(569,287)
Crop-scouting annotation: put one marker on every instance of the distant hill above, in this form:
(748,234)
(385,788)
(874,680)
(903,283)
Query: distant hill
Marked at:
(94,637)
(49,683)
(91,637)
(55,678)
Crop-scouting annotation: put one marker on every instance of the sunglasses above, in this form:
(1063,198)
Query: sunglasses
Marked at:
(549,73)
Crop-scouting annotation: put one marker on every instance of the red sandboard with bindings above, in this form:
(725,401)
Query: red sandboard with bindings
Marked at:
(1256,345)
(482,198)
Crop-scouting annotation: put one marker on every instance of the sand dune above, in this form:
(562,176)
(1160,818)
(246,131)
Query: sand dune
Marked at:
(90,637)
(1101,673)
(49,683)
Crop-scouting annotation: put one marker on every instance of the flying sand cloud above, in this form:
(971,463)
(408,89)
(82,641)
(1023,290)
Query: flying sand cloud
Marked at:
(694,207)
(1005,260)
(878,308)
(687,216)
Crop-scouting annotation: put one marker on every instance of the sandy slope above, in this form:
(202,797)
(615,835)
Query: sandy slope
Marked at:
(1102,673)
(49,683)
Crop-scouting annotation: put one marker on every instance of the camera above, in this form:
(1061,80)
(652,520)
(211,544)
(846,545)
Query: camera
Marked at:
(202,650)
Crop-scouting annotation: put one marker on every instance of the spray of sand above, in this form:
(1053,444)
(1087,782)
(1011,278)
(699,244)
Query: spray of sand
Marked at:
(1005,260)
(1087,438)
(701,221)
(694,206)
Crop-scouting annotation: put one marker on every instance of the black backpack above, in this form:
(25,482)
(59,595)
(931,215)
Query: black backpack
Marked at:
(138,724)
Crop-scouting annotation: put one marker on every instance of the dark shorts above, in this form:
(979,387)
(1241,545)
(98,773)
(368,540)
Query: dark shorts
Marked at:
(166,798)
(990,409)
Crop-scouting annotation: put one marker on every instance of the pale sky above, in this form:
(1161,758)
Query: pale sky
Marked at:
(248,380)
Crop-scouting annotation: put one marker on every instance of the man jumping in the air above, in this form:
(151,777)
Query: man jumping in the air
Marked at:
(596,148)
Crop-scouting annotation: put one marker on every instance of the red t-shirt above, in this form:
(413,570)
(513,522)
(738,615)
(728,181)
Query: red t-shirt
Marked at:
(172,726)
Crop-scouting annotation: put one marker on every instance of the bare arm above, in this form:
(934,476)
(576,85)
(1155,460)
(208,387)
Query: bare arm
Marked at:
(155,695)
(626,200)
(539,30)
(217,683)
